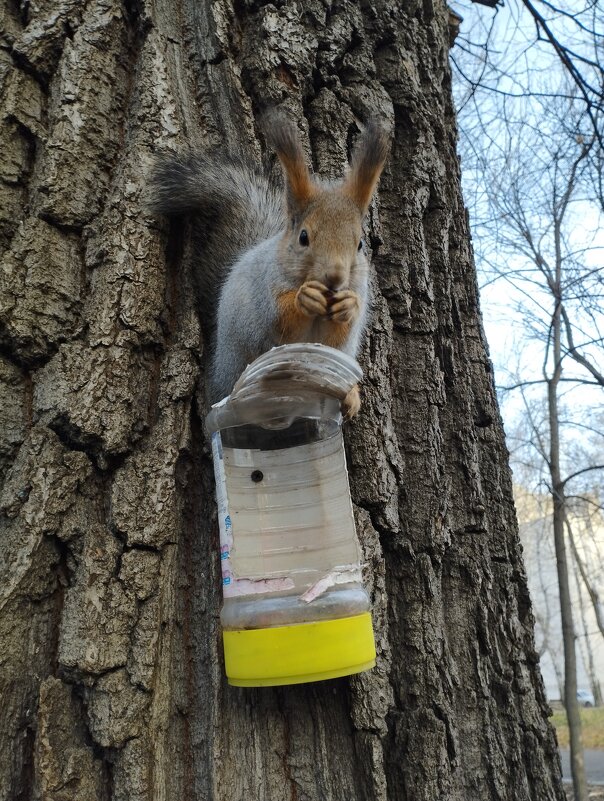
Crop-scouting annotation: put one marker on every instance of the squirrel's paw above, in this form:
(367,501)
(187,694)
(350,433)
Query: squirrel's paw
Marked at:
(311,299)
(344,307)
(351,403)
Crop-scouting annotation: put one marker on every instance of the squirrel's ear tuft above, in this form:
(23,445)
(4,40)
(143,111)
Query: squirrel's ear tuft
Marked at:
(367,163)
(282,135)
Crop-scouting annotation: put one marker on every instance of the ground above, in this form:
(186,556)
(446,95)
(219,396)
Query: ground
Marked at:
(596,793)
(593,738)
(593,727)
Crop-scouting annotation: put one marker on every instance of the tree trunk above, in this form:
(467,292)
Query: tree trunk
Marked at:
(571,704)
(558,492)
(110,663)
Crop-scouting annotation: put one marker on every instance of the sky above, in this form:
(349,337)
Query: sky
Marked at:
(507,137)
(509,130)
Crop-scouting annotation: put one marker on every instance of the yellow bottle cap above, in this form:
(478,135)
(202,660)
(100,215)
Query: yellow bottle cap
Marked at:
(299,653)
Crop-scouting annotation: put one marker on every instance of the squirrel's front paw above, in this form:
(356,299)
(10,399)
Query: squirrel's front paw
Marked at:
(344,306)
(311,299)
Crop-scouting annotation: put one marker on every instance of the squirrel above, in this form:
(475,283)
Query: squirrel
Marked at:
(275,270)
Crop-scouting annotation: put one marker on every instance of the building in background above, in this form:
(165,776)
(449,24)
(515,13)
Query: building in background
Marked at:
(585,553)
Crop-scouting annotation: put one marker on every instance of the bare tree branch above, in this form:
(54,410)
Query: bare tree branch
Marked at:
(574,353)
(580,472)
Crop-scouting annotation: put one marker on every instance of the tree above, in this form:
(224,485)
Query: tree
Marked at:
(508,53)
(533,124)
(111,677)
(537,186)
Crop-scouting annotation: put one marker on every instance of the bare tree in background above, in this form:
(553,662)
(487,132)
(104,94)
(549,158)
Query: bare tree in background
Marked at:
(586,555)
(513,66)
(111,679)
(536,182)
(514,50)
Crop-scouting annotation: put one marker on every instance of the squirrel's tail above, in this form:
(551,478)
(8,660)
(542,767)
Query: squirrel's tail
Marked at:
(232,208)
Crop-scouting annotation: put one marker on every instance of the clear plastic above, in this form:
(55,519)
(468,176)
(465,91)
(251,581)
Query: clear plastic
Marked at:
(288,542)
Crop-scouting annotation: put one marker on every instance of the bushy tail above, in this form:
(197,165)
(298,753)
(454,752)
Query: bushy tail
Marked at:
(232,208)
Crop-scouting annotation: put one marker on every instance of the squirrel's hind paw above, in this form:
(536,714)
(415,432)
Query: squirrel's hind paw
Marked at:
(351,403)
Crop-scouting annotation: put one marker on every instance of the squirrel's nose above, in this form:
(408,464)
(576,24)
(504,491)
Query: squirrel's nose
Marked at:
(335,280)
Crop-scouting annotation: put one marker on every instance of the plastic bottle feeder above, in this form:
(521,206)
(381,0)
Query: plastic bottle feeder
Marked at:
(295,609)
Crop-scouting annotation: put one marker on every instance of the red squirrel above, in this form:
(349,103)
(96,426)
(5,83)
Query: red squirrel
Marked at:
(277,269)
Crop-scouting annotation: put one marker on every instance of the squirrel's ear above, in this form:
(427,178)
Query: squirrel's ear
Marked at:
(366,165)
(283,137)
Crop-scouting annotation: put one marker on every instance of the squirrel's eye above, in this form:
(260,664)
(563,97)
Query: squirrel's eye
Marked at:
(304,238)
(360,244)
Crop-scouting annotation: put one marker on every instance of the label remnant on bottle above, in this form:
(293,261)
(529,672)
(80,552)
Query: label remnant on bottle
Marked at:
(224,519)
(339,575)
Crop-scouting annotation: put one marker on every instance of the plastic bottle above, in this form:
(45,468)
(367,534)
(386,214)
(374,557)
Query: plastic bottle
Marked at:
(294,606)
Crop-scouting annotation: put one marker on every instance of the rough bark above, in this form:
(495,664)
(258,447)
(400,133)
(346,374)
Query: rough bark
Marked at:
(110,665)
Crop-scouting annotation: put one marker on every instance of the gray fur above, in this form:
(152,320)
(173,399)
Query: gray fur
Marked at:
(232,207)
(247,313)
